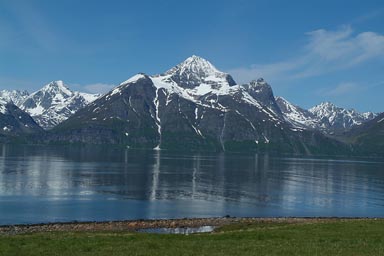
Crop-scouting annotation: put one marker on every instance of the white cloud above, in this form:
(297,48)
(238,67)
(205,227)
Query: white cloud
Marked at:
(344,48)
(98,87)
(326,51)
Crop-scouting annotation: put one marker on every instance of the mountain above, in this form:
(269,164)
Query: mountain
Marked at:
(14,122)
(297,116)
(198,73)
(192,106)
(326,117)
(14,96)
(337,120)
(54,103)
(368,138)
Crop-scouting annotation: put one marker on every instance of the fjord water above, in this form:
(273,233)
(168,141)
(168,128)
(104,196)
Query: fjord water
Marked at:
(69,183)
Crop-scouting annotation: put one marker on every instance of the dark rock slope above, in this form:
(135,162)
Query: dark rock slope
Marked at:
(14,122)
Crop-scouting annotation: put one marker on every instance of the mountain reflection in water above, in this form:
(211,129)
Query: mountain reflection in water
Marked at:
(65,183)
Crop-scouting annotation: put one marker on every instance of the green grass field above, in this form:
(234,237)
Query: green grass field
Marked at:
(342,237)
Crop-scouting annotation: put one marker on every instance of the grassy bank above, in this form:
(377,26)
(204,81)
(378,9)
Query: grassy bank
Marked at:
(332,237)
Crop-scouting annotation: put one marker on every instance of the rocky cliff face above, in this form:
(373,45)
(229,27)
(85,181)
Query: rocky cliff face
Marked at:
(299,118)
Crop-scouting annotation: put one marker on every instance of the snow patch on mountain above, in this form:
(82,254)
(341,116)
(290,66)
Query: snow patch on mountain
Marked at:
(196,79)
(298,117)
(133,79)
(54,103)
(126,83)
(199,82)
(198,76)
(325,117)
(14,96)
(336,118)
(194,65)
(88,97)
(3,106)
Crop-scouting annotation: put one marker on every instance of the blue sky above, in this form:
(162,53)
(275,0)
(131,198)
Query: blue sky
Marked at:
(309,51)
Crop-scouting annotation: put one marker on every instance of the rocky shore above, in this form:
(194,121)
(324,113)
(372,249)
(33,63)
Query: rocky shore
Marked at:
(134,225)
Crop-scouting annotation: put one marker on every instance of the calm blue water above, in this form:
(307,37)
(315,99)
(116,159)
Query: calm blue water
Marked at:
(48,184)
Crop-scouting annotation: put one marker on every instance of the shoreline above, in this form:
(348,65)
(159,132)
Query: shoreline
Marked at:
(134,225)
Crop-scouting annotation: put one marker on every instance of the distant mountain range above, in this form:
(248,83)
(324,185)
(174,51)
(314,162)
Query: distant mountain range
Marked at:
(50,105)
(192,106)
(15,96)
(325,117)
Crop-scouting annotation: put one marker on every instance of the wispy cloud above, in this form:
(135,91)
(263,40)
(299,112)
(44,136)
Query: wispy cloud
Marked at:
(368,16)
(342,89)
(31,26)
(326,51)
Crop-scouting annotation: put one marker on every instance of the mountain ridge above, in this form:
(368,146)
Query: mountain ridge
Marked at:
(207,112)
(339,119)
(51,104)
(14,96)
(192,106)
(325,117)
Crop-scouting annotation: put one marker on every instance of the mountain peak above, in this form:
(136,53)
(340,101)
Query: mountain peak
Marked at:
(194,65)
(56,87)
(338,118)
(324,106)
(259,83)
(298,117)
(327,103)
(195,71)
(57,83)
(54,103)
(134,79)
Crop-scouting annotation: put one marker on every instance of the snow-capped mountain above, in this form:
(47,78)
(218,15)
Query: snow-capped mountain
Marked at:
(54,103)
(15,96)
(197,80)
(297,116)
(191,106)
(325,117)
(14,121)
(334,119)
(202,89)
(199,75)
